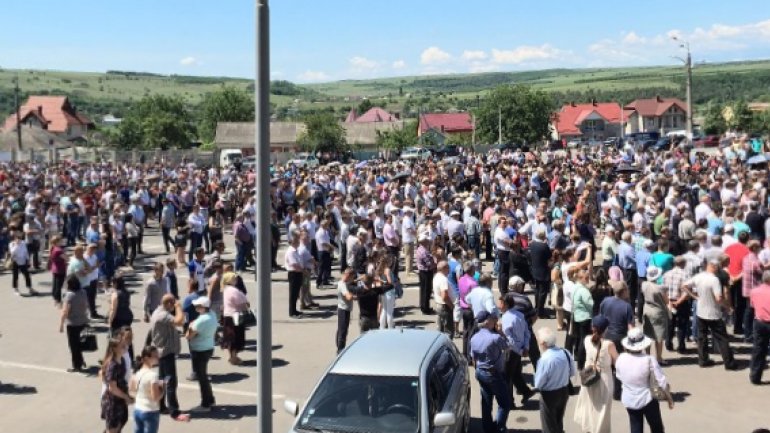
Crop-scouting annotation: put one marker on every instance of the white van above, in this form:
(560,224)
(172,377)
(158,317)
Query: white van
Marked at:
(228,157)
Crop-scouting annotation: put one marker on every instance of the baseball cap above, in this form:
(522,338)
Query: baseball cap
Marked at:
(203,301)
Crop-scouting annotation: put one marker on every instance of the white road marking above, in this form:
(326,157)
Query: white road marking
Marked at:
(216,390)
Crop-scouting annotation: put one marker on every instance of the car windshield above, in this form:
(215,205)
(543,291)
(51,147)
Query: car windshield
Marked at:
(371,404)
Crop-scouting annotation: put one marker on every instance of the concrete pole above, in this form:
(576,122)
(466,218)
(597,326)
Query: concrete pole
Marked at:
(263,267)
(689,93)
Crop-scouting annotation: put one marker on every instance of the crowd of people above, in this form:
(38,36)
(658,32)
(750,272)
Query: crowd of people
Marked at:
(628,252)
(86,222)
(634,254)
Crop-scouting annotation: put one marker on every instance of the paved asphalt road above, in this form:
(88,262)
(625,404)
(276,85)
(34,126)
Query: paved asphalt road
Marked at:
(38,395)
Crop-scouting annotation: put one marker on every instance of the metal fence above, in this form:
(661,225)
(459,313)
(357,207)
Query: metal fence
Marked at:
(81,154)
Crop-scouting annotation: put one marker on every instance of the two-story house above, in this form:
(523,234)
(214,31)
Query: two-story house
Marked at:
(54,114)
(655,115)
(592,121)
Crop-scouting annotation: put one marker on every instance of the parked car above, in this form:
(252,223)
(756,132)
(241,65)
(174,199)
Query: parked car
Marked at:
(305,160)
(448,150)
(511,146)
(612,141)
(228,157)
(415,153)
(710,141)
(395,380)
(248,162)
(574,143)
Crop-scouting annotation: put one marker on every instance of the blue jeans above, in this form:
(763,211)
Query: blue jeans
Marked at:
(240,256)
(494,386)
(146,422)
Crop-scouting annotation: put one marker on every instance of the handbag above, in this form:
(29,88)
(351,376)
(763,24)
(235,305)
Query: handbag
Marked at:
(245,318)
(590,374)
(658,393)
(88,341)
(399,289)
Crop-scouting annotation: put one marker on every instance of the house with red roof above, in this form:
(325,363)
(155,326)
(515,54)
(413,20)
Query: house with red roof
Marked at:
(655,115)
(591,121)
(445,124)
(54,114)
(375,114)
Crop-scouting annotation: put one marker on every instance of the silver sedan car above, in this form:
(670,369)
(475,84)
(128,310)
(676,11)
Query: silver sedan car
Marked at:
(389,381)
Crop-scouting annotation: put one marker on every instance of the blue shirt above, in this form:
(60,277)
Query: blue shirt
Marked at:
(189,309)
(481,299)
(626,256)
(488,350)
(92,236)
(205,327)
(516,330)
(554,368)
(642,260)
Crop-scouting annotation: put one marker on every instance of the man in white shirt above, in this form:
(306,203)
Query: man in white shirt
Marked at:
(706,289)
(293,264)
(503,246)
(92,279)
(196,222)
(443,297)
(323,242)
(408,238)
(343,238)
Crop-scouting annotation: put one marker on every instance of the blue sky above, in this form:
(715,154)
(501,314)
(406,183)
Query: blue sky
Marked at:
(324,40)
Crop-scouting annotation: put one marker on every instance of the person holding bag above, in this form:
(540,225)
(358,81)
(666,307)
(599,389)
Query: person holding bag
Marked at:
(594,403)
(643,383)
(233,335)
(74,314)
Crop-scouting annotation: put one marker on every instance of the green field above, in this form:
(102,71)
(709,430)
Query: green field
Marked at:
(114,92)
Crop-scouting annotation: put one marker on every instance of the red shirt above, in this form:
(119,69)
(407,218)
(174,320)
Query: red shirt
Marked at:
(736,252)
(760,300)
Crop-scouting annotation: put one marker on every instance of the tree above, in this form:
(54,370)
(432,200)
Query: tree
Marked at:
(743,118)
(365,106)
(323,134)
(228,104)
(460,139)
(154,122)
(398,139)
(526,115)
(714,121)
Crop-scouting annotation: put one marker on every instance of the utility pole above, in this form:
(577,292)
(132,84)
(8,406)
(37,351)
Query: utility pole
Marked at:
(18,114)
(499,125)
(688,68)
(262,269)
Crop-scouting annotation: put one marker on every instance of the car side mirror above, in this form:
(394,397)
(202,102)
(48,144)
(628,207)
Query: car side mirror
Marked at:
(291,407)
(444,419)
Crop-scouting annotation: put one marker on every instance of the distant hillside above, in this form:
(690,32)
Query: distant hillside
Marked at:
(718,81)
(113,92)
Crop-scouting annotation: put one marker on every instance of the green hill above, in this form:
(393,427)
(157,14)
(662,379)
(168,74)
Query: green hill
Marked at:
(114,91)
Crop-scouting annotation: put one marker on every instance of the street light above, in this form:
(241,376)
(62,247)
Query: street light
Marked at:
(688,67)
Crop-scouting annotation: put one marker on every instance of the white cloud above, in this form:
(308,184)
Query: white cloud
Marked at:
(362,63)
(310,76)
(399,64)
(189,61)
(474,55)
(434,55)
(633,38)
(524,54)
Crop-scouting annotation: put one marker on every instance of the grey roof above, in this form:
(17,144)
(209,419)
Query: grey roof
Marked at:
(241,134)
(391,352)
(32,137)
(238,134)
(366,133)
